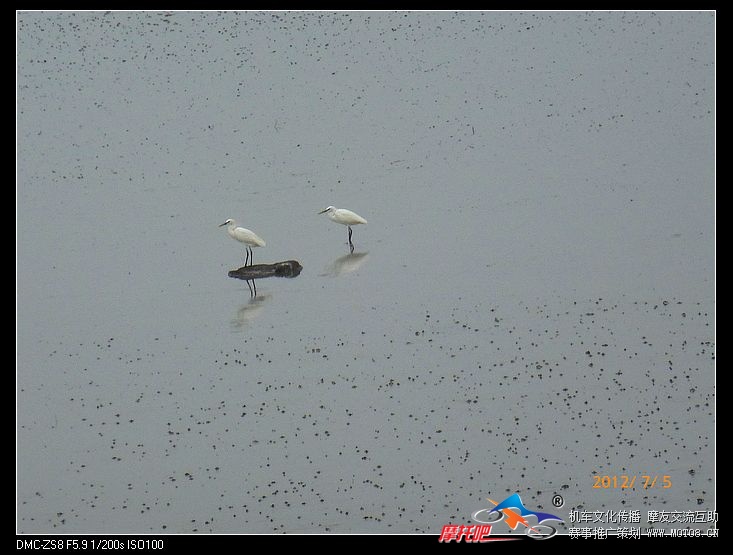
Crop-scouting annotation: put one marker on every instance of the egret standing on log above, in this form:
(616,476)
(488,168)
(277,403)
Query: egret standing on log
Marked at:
(243,235)
(344,217)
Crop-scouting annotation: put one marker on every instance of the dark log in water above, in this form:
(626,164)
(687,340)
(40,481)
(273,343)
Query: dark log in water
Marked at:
(288,268)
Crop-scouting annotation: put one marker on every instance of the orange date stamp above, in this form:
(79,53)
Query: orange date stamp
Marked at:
(630,481)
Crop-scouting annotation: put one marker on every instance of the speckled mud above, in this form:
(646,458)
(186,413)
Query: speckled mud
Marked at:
(530,306)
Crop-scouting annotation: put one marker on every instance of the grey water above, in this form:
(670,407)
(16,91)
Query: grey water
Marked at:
(531,306)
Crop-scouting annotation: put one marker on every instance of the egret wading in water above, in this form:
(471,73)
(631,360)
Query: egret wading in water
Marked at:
(243,235)
(344,217)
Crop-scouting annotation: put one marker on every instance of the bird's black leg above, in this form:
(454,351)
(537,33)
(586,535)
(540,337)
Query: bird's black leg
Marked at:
(250,289)
(247,259)
(350,243)
(254,286)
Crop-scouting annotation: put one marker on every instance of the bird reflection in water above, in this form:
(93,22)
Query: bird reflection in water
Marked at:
(248,311)
(251,283)
(252,288)
(347,264)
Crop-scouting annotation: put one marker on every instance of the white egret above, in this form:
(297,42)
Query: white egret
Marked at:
(243,235)
(344,217)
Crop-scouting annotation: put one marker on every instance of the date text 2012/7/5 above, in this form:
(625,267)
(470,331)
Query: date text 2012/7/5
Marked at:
(625,481)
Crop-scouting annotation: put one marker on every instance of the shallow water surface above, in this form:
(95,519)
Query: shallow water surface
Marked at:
(531,304)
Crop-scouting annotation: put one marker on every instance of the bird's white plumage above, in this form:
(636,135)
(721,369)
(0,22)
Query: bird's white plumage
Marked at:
(243,235)
(343,216)
(246,236)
